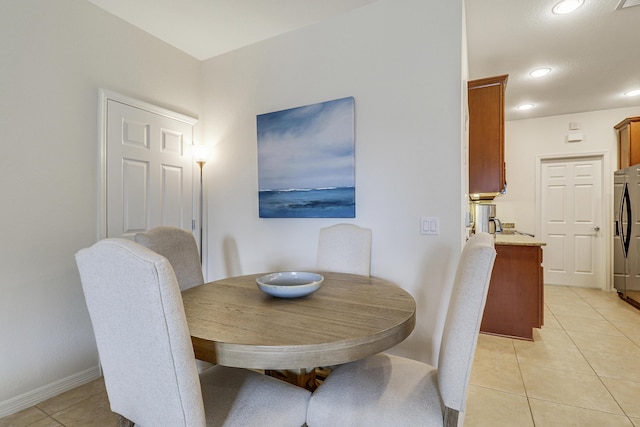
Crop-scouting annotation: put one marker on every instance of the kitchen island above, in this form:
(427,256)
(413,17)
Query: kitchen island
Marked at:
(515,302)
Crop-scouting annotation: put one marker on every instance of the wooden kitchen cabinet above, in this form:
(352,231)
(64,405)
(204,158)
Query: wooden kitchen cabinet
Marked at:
(515,301)
(628,132)
(487,176)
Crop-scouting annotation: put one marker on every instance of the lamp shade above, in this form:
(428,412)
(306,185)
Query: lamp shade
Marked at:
(201,153)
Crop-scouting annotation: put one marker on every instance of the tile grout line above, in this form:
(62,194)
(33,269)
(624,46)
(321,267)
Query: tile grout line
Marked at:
(603,383)
(575,294)
(524,386)
(48,417)
(587,360)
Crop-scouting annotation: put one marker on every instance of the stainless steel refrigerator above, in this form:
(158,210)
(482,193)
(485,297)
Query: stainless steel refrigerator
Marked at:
(626,239)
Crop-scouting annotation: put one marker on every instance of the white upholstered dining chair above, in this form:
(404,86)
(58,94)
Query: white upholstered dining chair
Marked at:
(344,248)
(147,357)
(386,390)
(180,248)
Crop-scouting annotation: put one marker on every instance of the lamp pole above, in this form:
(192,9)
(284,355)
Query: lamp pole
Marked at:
(201,164)
(200,154)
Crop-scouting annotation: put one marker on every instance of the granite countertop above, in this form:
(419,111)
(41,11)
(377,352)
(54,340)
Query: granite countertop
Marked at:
(517,240)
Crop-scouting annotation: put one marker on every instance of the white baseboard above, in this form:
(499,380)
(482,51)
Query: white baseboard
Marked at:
(33,397)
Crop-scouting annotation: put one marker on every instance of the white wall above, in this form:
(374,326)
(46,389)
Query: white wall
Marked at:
(525,140)
(402,61)
(55,57)
(464,102)
(528,141)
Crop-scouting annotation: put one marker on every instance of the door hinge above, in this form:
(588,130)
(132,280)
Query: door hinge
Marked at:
(193,224)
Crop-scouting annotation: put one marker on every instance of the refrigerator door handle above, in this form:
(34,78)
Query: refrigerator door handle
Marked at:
(626,205)
(619,218)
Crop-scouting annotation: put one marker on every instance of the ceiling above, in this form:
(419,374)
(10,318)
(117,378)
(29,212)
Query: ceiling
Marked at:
(593,52)
(207,28)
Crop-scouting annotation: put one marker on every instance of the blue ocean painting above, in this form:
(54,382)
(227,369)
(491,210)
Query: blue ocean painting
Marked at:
(306,161)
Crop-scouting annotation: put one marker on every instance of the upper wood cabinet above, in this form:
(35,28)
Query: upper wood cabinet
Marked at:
(487,177)
(628,142)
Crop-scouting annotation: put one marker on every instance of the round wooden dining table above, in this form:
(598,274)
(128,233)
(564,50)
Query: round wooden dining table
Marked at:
(233,323)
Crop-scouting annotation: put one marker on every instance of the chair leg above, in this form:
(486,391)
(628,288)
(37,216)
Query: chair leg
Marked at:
(123,422)
(450,417)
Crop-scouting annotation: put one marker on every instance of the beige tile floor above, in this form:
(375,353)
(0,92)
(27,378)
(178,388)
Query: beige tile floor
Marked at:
(84,406)
(583,369)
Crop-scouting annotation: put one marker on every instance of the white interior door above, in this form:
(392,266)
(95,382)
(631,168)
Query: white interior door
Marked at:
(149,169)
(572,208)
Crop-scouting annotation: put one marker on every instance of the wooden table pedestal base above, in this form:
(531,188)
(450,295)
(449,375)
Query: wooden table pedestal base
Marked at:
(300,377)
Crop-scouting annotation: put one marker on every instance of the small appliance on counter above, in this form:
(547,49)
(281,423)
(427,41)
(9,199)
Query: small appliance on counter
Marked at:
(485,220)
(508,228)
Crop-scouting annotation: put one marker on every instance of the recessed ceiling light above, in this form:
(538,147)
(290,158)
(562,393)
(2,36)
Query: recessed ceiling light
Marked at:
(567,6)
(540,72)
(524,107)
(634,92)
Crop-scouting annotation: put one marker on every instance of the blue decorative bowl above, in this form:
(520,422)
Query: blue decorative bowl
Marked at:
(290,284)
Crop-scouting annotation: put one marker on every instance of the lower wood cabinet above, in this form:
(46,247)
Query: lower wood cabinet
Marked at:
(515,302)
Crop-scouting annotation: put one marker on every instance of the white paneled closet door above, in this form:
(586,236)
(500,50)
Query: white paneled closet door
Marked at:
(149,168)
(571,207)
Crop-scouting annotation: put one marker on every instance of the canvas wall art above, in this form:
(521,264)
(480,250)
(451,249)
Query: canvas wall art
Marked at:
(306,161)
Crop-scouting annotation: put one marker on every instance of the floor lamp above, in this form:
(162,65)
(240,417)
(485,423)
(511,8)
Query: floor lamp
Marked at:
(200,155)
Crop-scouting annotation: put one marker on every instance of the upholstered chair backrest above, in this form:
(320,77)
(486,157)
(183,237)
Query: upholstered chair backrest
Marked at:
(344,248)
(464,316)
(180,248)
(141,330)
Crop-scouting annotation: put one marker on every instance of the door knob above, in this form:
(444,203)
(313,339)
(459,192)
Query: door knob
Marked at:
(596,228)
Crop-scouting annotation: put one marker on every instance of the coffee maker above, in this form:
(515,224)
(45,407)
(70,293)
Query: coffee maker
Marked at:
(485,220)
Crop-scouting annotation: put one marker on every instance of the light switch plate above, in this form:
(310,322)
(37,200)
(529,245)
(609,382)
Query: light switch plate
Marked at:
(429,225)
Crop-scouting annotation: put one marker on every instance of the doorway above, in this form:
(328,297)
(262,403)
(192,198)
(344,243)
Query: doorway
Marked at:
(146,167)
(573,216)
